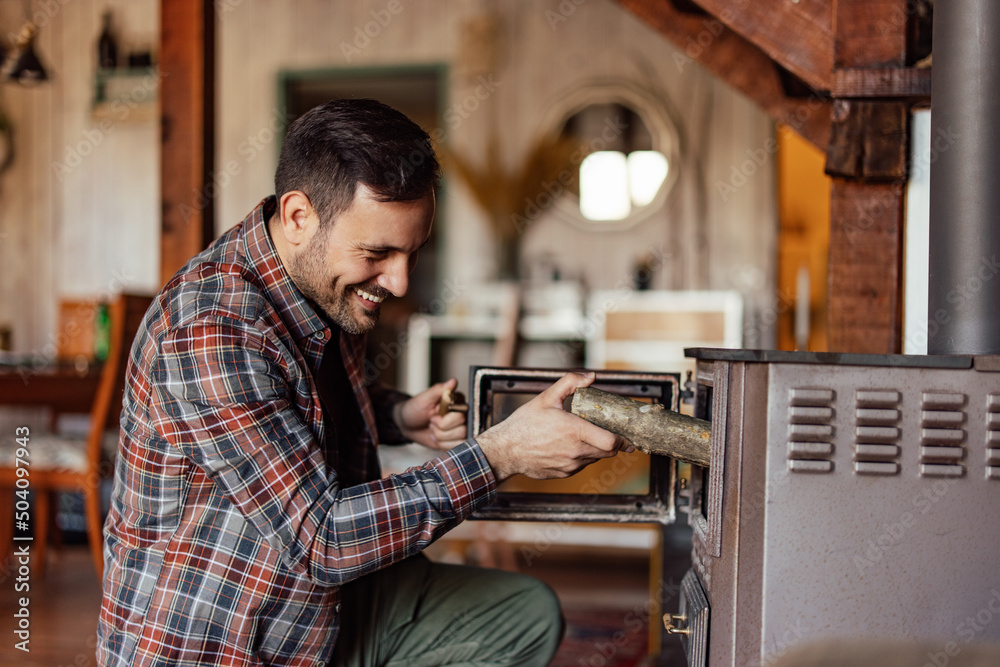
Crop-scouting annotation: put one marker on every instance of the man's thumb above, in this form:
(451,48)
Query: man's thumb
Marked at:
(564,387)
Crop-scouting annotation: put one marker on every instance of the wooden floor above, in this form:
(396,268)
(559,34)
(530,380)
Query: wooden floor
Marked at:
(62,611)
(63,606)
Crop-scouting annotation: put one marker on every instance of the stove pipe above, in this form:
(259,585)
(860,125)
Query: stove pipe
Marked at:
(964,291)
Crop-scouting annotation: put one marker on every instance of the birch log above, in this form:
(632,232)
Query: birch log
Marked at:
(651,428)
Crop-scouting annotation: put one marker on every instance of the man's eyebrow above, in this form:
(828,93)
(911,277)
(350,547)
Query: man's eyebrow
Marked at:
(391,248)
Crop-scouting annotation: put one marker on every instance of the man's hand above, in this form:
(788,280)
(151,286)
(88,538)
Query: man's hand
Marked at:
(543,441)
(419,421)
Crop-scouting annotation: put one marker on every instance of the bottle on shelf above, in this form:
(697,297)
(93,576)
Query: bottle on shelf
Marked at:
(102,332)
(107,48)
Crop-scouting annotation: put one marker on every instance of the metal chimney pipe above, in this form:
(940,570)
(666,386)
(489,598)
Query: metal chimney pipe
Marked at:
(964,290)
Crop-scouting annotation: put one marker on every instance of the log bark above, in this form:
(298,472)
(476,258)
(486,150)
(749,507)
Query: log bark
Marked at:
(651,428)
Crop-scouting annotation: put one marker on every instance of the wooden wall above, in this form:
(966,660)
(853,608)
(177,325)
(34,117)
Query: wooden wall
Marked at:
(79,205)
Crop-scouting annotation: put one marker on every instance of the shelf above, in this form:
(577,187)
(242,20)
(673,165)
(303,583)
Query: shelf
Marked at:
(126,95)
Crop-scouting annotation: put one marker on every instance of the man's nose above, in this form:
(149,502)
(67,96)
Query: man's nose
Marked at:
(396,278)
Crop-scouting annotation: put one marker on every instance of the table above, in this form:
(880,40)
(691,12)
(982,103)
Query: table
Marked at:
(58,386)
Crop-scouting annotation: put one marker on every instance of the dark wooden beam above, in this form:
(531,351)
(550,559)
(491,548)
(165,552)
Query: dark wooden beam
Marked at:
(187,90)
(867,157)
(866,245)
(897,82)
(798,35)
(868,141)
(871,33)
(709,42)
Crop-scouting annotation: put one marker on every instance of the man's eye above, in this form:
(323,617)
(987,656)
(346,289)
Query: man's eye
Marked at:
(377,254)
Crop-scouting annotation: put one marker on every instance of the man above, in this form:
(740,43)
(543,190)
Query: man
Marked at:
(249,523)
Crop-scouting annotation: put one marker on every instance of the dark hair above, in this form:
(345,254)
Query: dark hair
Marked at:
(335,146)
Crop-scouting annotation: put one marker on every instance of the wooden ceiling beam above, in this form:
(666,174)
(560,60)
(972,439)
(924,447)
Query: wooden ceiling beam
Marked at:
(797,35)
(870,33)
(734,59)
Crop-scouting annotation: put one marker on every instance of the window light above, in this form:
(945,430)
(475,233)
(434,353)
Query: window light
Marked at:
(646,172)
(611,183)
(604,190)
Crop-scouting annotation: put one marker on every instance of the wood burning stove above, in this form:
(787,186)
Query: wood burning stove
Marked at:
(849,496)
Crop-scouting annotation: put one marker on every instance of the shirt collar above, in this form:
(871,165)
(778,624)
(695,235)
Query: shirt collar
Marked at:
(293,308)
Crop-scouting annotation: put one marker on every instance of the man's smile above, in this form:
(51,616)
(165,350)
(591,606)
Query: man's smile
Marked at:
(369,301)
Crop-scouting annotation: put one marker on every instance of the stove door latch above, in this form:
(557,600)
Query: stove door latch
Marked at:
(670,619)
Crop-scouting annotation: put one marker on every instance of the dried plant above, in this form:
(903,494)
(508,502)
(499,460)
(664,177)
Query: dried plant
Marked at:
(512,200)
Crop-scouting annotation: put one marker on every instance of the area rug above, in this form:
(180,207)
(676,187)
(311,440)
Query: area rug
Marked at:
(603,638)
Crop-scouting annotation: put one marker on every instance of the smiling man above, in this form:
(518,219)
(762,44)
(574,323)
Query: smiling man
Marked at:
(250,523)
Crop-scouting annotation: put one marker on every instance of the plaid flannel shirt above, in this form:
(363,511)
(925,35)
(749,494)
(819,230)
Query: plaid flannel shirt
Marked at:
(229,534)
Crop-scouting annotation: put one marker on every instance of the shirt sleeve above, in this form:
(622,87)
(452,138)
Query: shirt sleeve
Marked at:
(223,396)
(384,399)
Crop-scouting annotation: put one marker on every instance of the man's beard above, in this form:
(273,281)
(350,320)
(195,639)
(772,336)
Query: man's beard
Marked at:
(308,273)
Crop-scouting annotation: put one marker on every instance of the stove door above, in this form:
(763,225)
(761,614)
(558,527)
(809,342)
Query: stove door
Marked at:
(690,623)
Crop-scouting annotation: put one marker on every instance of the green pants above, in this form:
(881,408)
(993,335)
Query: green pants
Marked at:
(418,613)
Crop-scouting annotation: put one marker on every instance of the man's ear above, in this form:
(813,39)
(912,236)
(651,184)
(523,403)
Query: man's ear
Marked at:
(298,219)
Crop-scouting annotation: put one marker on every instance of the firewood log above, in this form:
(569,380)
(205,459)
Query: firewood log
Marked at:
(651,428)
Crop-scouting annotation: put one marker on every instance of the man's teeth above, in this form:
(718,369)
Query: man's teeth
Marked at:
(371,297)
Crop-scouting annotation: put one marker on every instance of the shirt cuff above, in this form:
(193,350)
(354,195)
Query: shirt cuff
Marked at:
(384,401)
(468,478)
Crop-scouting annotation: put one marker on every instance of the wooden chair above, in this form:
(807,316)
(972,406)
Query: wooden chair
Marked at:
(60,464)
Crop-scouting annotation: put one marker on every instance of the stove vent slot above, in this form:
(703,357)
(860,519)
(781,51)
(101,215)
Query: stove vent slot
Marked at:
(993,436)
(942,434)
(810,430)
(876,432)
